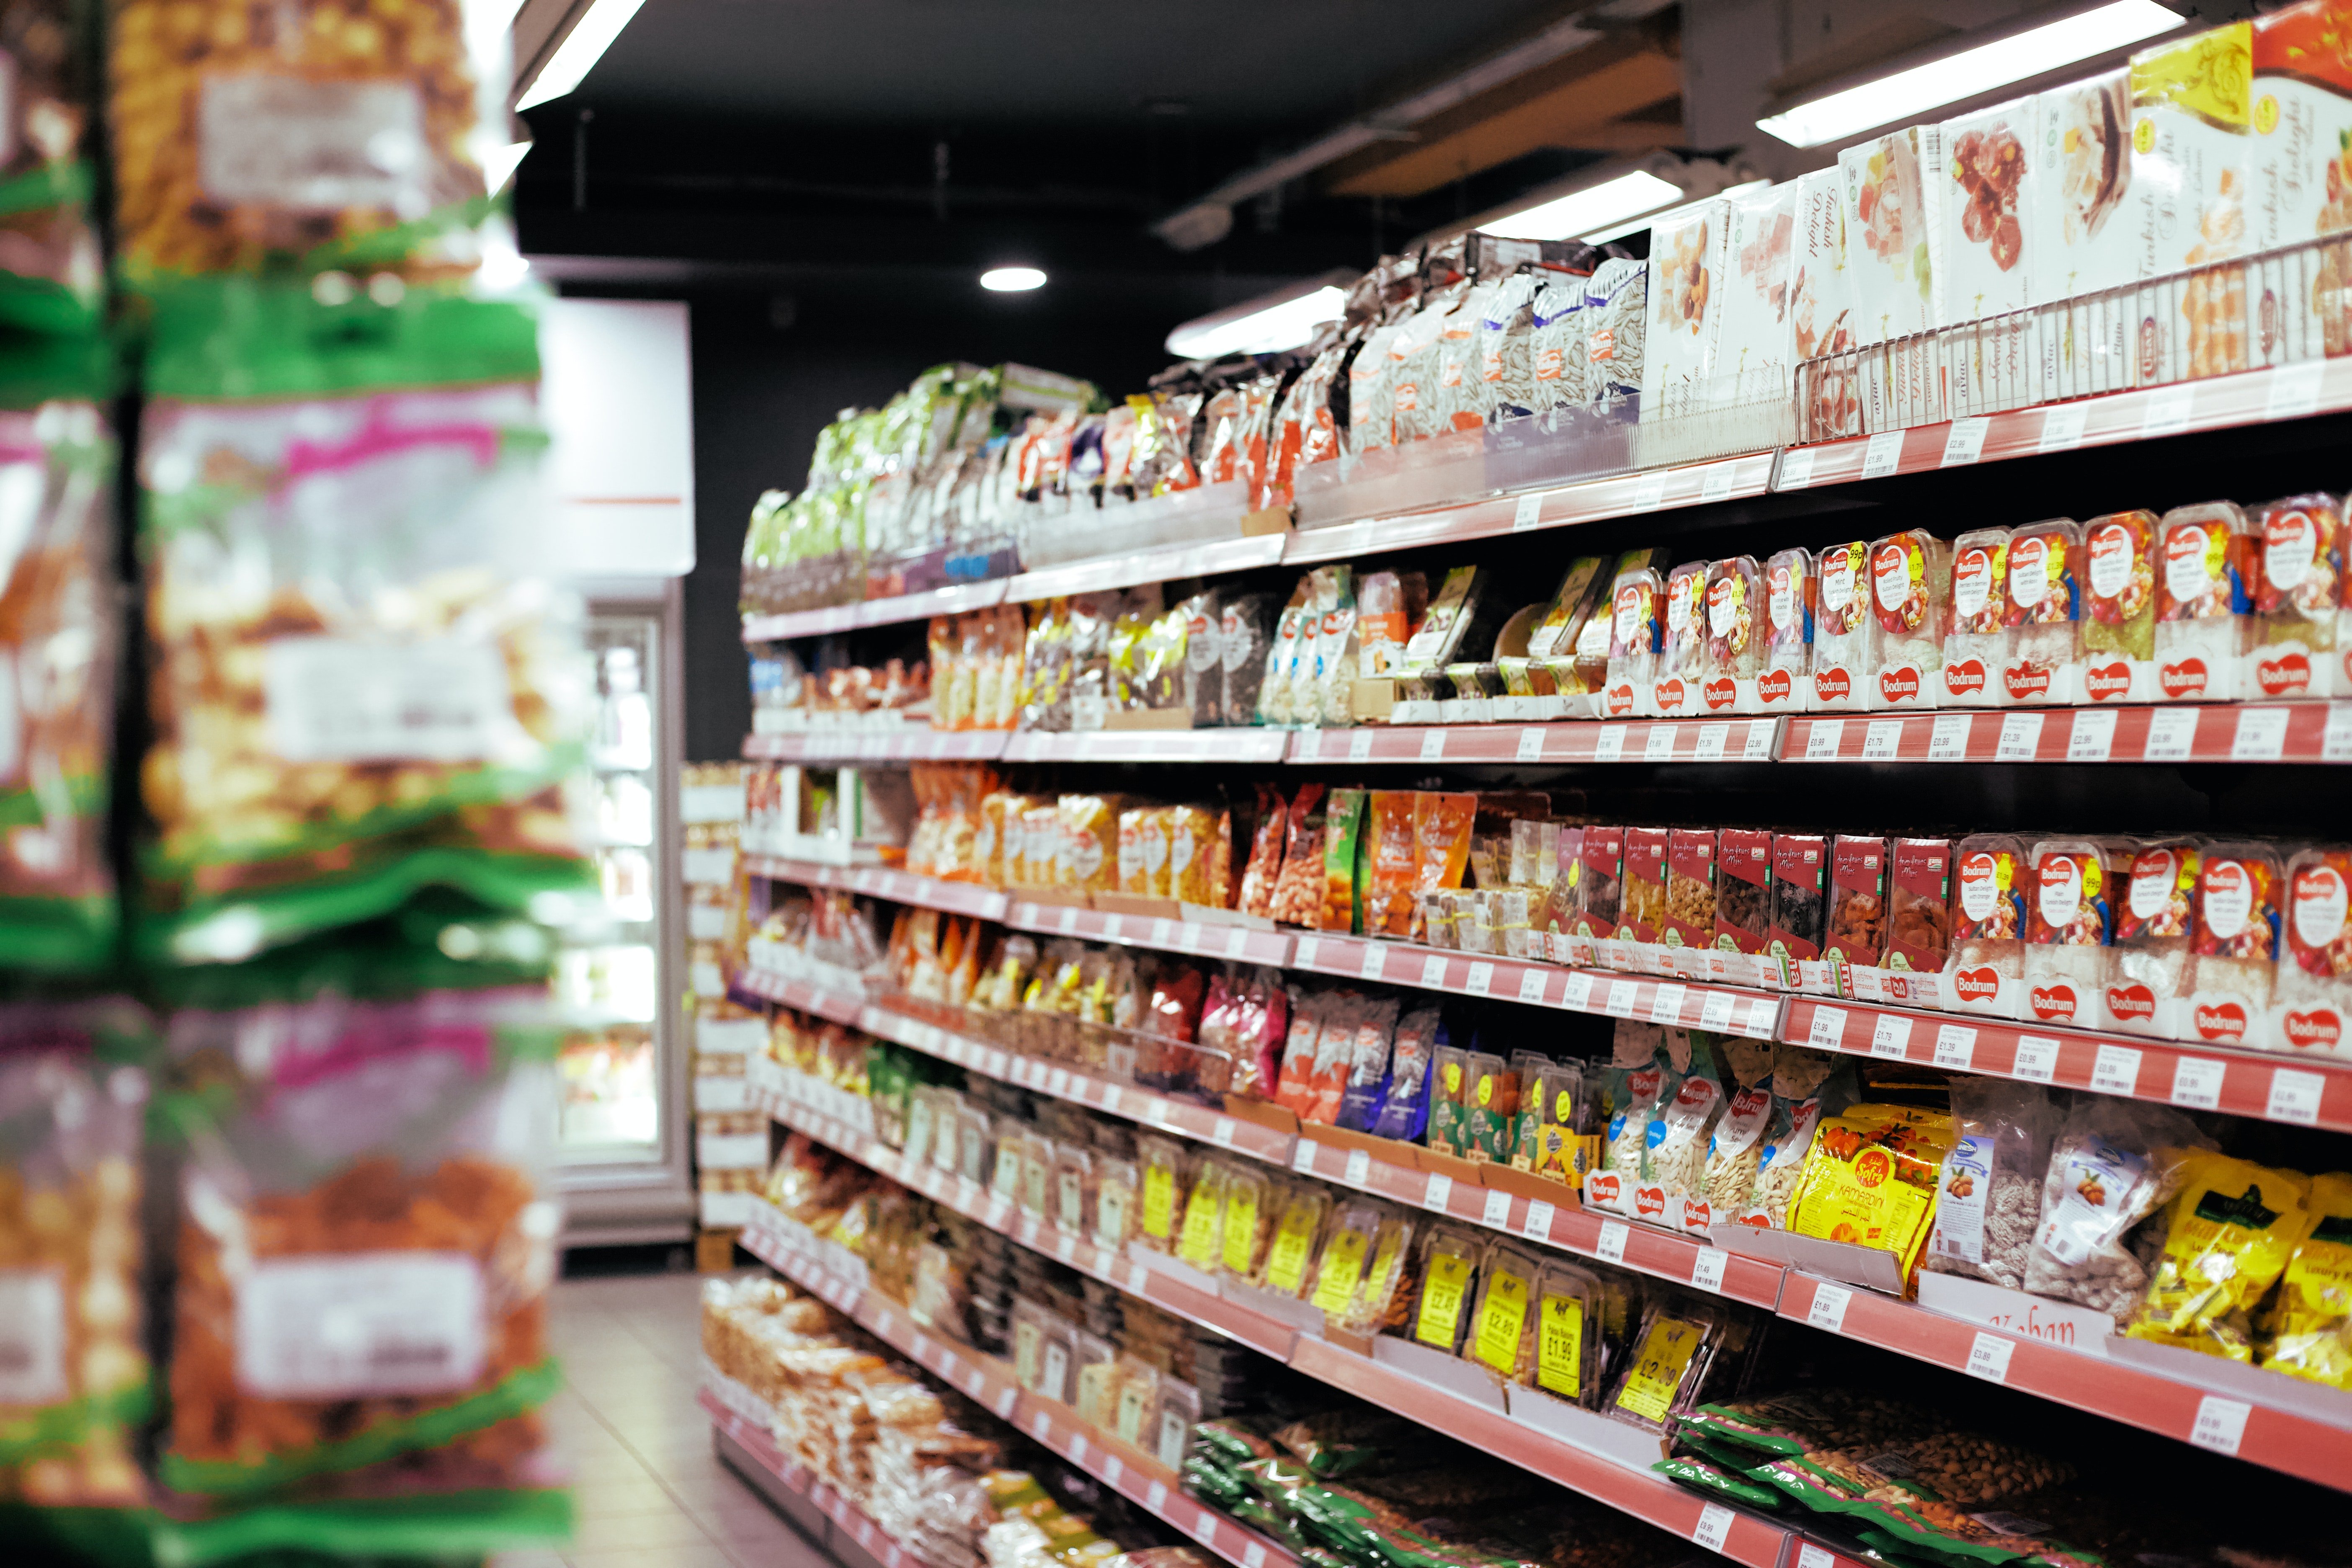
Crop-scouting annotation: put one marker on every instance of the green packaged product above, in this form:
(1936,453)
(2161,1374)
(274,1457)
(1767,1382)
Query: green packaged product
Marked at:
(1447,1109)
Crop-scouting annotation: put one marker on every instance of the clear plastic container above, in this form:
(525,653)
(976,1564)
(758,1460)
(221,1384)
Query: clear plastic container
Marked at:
(1637,631)
(1992,880)
(1977,647)
(2147,959)
(2234,970)
(1844,631)
(2298,595)
(1784,685)
(1682,664)
(1910,597)
(2068,922)
(1735,636)
(2043,606)
(2118,624)
(2204,556)
(2315,974)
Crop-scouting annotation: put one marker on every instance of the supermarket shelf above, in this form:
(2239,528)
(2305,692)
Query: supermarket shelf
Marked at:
(2222,403)
(1236,745)
(2312,1091)
(910,743)
(801,995)
(1205,560)
(1539,985)
(1635,741)
(899,887)
(1627,495)
(1208,939)
(845,1530)
(949,601)
(2277,1439)
(2222,732)
(989,1383)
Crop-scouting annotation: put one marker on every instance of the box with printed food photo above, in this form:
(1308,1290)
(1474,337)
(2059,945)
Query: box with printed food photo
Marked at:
(1980,196)
(2084,242)
(2191,160)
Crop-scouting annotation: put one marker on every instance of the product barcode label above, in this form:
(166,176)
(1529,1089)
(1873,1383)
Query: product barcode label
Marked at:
(1891,1037)
(2171,735)
(1955,1046)
(1666,1003)
(1610,745)
(2197,1083)
(1883,453)
(1610,1247)
(1828,1310)
(1304,955)
(1156,1497)
(1432,745)
(2037,1058)
(1114,926)
(1965,442)
(1829,1028)
(1538,1224)
(2168,408)
(2336,740)
(1432,972)
(1576,991)
(1711,741)
(441,700)
(2093,736)
(1528,513)
(1822,740)
(1113,1469)
(1759,744)
(1531,742)
(1204,1528)
(1948,742)
(2020,737)
(1359,1167)
(1659,745)
(1715,1012)
(1359,746)
(1811,1556)
(1707,1265)
(1067,919)
(1715,483)
(1481,979)
(1163,933)
(2117,1070)
(360,1325)
(1253,1556)
(1439,1193)
(1223,1131)
(1714,1527)
(1882,741)
(1649,492)
(1622,994)
(1763,1019)
(1988,1357)
(1531,986)
(2220,1424)
(1795,469)
(2261,736)
(2294,1096)
(1302,1157)
(2294,389)
(2062,426)
(1374,960)
(1497,1212)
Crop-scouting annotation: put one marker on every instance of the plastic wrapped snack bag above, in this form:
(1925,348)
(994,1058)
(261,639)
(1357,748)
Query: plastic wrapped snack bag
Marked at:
(1910,592)
(2116,1163)
(2232,1228)
(2233,970)
(1797,924)
(2068,919)
(2315,974)
(2298,594)
(2042,604)
(1637,630)
(1992,882)
(2311,1326)
(1977,647)
(1991,1200)
(1845,640)
(2204,558)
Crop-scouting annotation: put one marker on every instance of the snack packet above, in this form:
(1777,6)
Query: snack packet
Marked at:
(2042,608)
(1994,881)
(2233,972)
(2311,1326)
(2233,1227)
(2298,597)
(1911,593)
(2147,963)
(2315,974)
(2118,623)
(2205,570)
(1976,648)
(1792,589)
(1845,630)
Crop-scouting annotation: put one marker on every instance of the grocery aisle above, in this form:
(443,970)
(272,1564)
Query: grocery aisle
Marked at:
(647,1488)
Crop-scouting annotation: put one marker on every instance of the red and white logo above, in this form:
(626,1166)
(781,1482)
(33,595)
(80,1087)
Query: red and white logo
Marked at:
(2130,1003)
(1650,1203)
(1697,1214)
(1619,702)
(2053,1003)
(2320,1029)
(1964,679)
(1774,686)
(1719,694)
(2107,683)
(2224,1022)
(1899,685)
(1604,1188)
(2024,680)
(1977,985)
(2283,676)
(1832,685)
(1668,694)
(2186,678)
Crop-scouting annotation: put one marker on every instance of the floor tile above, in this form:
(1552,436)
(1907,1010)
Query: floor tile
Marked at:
(708,1554)
(664,1529)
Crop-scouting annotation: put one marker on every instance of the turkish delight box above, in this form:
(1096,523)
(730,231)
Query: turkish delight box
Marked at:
(2192,161)
(1755,338)
(2085,242)
(1687,284)
(1981,200)
(2302,130)
(1822,317)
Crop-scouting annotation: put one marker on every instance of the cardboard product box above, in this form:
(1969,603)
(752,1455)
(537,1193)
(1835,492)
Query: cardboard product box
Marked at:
(1886,237)
(2086,242)
(1755,347)
(1821,313)
(2302,130)
(2191,165)
(1981,199)
(1687,280)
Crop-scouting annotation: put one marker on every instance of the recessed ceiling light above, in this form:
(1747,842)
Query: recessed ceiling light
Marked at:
(1012,279)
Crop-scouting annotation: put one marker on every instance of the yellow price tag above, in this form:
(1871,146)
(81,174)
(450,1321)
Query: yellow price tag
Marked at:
(1199,1246)
(1294,1241)
(1485,1089)
(1500,1320)
(1563,1110)
(1240,1233)
(1559,1346)
(1159,1201)
(1441,1301)
(1343,1264)
(1658,1369)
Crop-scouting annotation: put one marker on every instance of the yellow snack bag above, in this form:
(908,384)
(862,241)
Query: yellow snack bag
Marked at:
(2232,1228)
(1870,1180)
(1090,828)
(1191,832)
(2311,1328)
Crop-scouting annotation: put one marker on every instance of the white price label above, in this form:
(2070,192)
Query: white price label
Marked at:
(1432,972)
(2294,389)
(2171,735)
(1622,994)
(1374,961)
(1822,739)
(1537,1227)
(1796,469)
(2220,1424)
(1610,1247)
(1659,745)
(1891,1037)
(1531,743)
(1829,1028)
(1359,1167)
(1439,1193)
(1828,1310)
(1432,745)
(1359,746)
(1649,492)
(2294,1096)
(1955,1046)
(1237,941)
(1223,1131)
(1763,1019)
(1715,484)
(2262,735)
(1759,744)
(2020,737)
(1114,926)
(1714,1527)
(1156,1498)
(1531,986)
(1302,1157)
(2062,426)
(2196,1081)
(1040,1424)
(1006,1398)
(1481,979)
(1576,991)
(1497,1212)
(1883,455)
(1057,1083)
(1949,741)
(360,1325)
(2335,741)
(1528,514)
(2037,1059)
(1811,1556)
(1163,933)
(1204,1528)
(2117,1070)
(1883,740)
(1666,1003)
(2092,736)
(1113,1467)
(1988,1357)
(1707,1266)
(1715,1012)
(1711,741)
(1965,442)
(1253,1556)
(2168,408)
(1305,955)
(1609,745)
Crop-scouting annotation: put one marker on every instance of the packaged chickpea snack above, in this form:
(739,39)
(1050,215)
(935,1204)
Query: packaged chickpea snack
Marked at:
(365,684)
(73,1367)
(365,1245)
(308,138)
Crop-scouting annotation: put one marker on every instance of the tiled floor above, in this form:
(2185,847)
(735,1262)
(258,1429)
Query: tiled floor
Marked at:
(647,1489)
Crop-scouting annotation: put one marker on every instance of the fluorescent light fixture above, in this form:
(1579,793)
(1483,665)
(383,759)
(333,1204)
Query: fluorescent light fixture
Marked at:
(1273,321)
(1576,214)
(1907,94)
(580,49)
(1012,279)
(499,164)
(1650,220)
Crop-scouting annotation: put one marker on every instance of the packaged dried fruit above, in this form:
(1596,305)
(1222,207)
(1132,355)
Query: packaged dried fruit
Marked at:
(1599,889)
(1992,880)
(2311,1326)
(1743,905)
(1637,631)
(1305,1209)
(1846,633)
(1990,1197)
(307,137)
(1682,660)
(2233,1225)
(2148,960)
(58,638)
(365,683)
(1670,1360)
(2298,595)
(2314,976)
(1640,929)
(2116,1163)
(1192,833)
(2044,609)
(2206,569)
(1687,932)
(2233,967)
(1798,921)
(1392,859)
(1571,1344)
(2118,621)
(1346,1248)
(1735,636)
(364,1248)
(2068,922)
(1857,909)
(1977,647)
(1918,935)
(1911,593)
(1871,1181)
(75,1388)
(1792,589)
